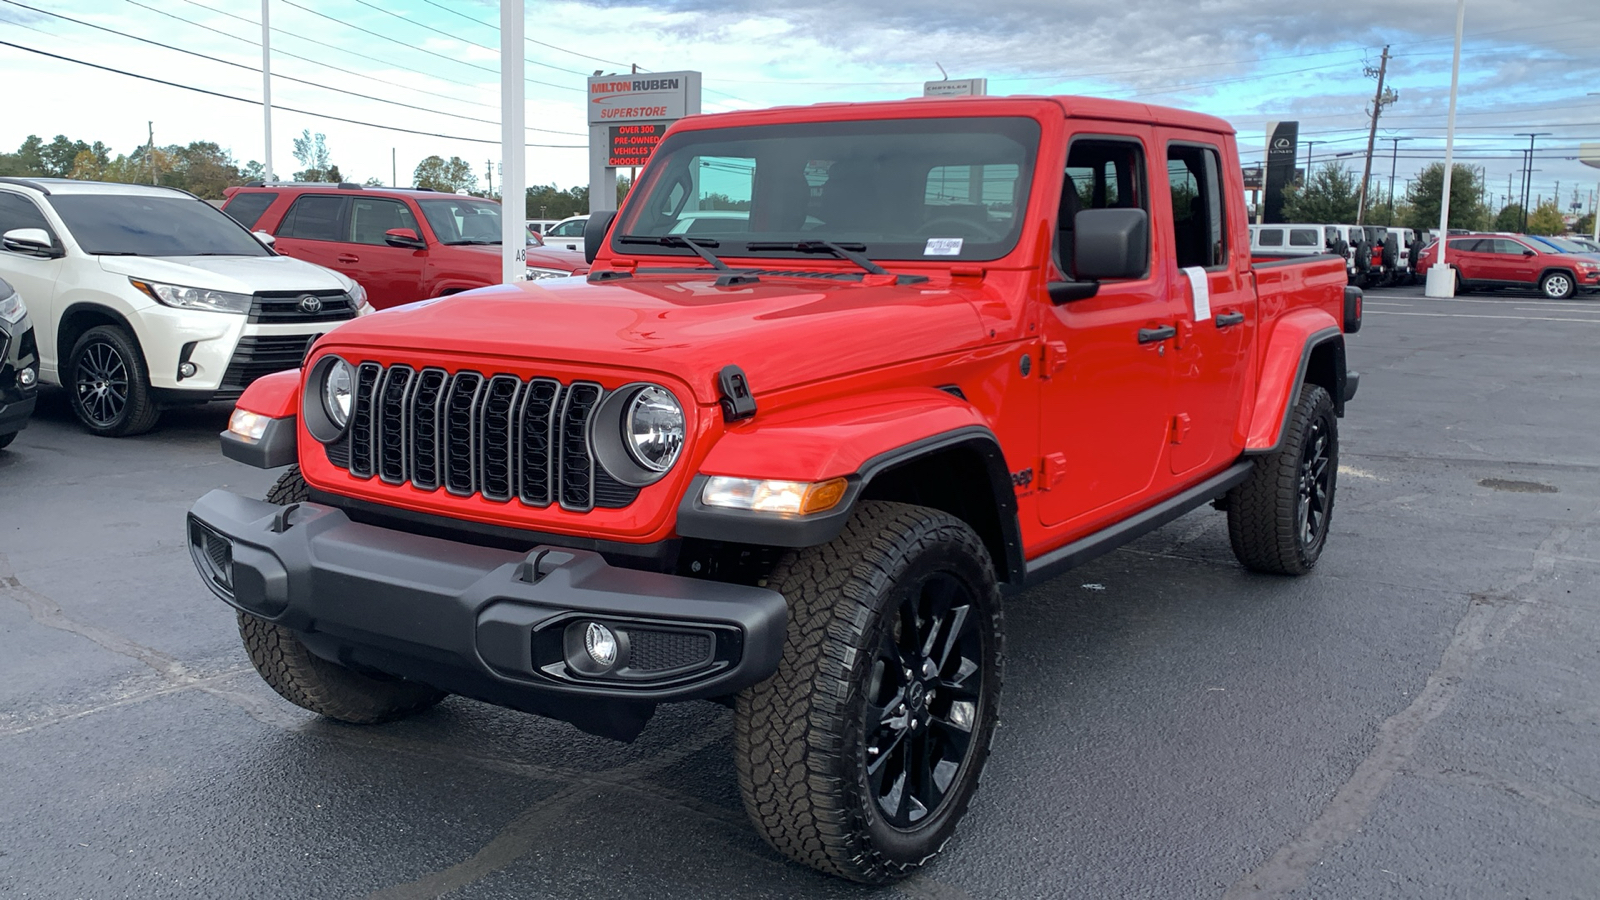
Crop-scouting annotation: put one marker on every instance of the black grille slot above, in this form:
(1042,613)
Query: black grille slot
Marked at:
(577,469)
(258,355)
(659,651)
(391,427)
(424,416)
(496,421)
(362,405)
(285,307)
(497,436)
(461,434)
(538,417)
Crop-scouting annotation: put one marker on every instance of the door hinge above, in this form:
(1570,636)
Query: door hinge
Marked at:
(1180,427)
(1054,468)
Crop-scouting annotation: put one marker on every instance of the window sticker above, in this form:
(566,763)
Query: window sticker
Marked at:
(1202,292)
(942,247)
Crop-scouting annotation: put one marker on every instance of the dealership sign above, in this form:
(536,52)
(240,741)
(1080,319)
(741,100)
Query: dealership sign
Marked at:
(631,145)
(628,115)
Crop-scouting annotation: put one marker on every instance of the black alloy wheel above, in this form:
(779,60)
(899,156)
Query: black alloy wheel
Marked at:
(924,694)
(1316,484)
(102,383)
(109,384)
(1278,517)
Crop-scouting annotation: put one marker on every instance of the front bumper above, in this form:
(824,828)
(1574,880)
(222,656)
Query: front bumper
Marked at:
(492,624)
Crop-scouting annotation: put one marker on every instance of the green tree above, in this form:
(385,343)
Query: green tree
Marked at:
(1466,199)
(436,173)
(1584,225)
(28,160)
(202,168)
(1545,219)
(374,181)
(311,150)
(60,155)
(546,201)
(1508,219)
(1330,197)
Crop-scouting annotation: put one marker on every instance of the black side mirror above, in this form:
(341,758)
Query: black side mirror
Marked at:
(594,232)
(1111,243)
(1527,252)
(405,238)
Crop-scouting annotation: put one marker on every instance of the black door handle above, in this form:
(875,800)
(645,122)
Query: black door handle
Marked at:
(1152,335)
(1226,319)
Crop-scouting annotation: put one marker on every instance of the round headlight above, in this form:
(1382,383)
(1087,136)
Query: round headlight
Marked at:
(652,428)
(337,387)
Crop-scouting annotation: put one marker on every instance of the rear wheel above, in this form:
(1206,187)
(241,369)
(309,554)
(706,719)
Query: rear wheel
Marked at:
(308,680)
(109,384)
(1278,518)
(1556,285)
(861,754)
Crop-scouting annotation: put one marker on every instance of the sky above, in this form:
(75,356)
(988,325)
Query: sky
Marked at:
(403,66)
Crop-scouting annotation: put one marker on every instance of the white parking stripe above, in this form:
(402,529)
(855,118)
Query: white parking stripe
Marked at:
(1389,312)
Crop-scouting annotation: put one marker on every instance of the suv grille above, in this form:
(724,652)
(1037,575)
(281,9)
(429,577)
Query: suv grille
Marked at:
(498,436)
(284,307)
(259,355)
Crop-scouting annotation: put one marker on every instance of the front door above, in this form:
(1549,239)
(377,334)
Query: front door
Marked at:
(1107,368)
(391,275)
(1217,306)
(33,277)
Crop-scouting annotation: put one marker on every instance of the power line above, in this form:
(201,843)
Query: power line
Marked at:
(446,34)
(257,69)
(528,39)
(253,102)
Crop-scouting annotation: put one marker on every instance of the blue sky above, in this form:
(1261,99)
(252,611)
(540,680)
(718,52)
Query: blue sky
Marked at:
(1528,66)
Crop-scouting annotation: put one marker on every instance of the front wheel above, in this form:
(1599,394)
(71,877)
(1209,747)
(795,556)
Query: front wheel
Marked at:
(861,754)
(1278,518)
(1556,285)
(109,384)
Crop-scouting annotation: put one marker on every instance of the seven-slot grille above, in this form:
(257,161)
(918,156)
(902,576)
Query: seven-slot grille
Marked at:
(499,436)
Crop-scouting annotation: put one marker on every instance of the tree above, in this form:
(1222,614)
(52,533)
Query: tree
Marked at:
(311,150)
(1330,197)
(1584,225)
(374,181)
(1508,219)
(454,176)
(1466,204)
(1546,219)
(202,168)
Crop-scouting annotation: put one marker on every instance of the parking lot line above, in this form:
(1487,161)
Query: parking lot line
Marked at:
(1389,312)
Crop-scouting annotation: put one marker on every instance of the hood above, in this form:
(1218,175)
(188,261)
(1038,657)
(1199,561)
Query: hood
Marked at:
(543,257)
(239,274)
(781,331)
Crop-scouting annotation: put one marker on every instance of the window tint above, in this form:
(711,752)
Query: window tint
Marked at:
(19,212)
(1509,248)
(370,217)
(1465,245)
(246,208)
(152,225)
(1194,175)
(1100,174)
(1328,234)
(463,220)
(314,217)
(566,229)
(1271,237)
(1303,237)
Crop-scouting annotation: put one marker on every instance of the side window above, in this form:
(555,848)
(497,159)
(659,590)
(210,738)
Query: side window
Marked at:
(1303,237)
(19,212)
(246,208)
(1101,173)
(1328,235)
(568,229)
(1194,175)
(314,217)
(371,217)
(1271,237)
(1509,248)
(1467,245)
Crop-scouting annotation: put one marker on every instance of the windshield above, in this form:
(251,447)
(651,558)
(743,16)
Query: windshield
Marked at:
(1563,245)
(938,189)
(122,225)
(462,220)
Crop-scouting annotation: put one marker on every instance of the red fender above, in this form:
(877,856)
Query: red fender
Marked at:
(818,441)
(274,396)
(1283,367)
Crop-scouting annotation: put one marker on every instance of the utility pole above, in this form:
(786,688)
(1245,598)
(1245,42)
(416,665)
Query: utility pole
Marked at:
(1379,100)
(1309,145)
(150,151)
(1527,173)
(488,175)
(266,87)
(1394,157)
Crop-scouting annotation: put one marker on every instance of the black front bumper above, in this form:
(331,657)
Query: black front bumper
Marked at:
(492,624)
(14,413)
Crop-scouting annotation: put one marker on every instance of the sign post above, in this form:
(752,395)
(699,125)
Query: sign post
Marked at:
(1282,151)
(628,114)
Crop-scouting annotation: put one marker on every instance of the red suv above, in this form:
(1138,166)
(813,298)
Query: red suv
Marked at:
(1509,260)
(402,245)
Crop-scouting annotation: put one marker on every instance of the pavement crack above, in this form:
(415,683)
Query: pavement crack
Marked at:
(1560,799)
(48,613)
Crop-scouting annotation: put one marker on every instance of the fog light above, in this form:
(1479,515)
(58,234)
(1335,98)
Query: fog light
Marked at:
(27,377)
(601,644)
(187,370)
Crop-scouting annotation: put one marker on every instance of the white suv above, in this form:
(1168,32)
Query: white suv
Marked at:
(149,297)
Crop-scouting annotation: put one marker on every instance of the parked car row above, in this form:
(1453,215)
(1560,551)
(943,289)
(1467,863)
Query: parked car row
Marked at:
(1342,240)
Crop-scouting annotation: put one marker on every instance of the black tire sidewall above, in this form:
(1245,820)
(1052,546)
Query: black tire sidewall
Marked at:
(1320,411)
(134,408)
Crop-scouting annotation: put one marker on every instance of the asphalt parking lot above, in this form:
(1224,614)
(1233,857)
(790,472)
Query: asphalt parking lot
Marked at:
(1420,717)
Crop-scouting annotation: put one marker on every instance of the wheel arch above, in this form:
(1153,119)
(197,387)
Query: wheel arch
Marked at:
(82,316)
(1303,349)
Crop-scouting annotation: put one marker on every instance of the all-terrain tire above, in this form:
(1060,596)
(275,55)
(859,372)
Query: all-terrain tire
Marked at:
(109,383)
(811,745)
(1278,518)
(1557,285)
(308,680)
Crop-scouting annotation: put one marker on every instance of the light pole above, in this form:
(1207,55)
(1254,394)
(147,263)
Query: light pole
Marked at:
(1441,278)
(1309,145)
(1394,156)
(1527,177)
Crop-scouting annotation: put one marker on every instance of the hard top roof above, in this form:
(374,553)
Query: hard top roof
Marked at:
(59,186)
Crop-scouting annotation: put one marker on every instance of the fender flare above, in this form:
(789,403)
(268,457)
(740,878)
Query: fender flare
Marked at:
(891,429)
(275,396)
(1283,368)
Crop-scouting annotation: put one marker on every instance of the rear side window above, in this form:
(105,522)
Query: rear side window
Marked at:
(1468,245)
(1194,176)
(1271,237)
(372,217)
(314,217)
(1303,237)
(246,208)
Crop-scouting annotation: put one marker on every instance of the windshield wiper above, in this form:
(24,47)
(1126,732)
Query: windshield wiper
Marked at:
(851,252)
(698,245)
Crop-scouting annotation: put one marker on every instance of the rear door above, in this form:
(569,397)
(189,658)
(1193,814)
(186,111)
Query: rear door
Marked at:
(314,229)
(391,275)
(1217,303)
(33,277)
(1519,262)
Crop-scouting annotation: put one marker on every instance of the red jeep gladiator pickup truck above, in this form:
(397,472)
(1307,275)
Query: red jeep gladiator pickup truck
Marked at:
(794,461)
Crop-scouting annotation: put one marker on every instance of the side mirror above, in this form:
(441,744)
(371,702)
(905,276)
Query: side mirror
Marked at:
(594,232)
(31,241)
(266,239)
(535,239)
(404,237)
(1526,252)
(1110,243)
